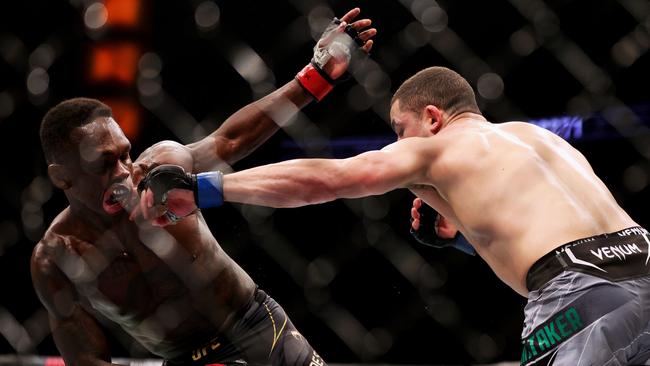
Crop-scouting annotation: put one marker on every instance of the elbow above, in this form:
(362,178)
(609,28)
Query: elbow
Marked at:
(324,189)
(228,149)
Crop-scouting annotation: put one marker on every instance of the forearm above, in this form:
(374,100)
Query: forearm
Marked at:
(79,352)
(80,340)
(249,127)
(290,183)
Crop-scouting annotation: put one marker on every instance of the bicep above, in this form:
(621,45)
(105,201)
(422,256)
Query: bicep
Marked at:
(76,333)
(398,165)
(213,152)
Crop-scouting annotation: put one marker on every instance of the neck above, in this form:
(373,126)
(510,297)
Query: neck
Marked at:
(463,117)
(92,218)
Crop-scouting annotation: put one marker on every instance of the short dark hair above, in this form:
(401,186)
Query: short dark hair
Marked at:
(61,119)
(438,86)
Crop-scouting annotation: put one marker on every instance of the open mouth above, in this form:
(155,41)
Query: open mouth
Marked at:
(116,198)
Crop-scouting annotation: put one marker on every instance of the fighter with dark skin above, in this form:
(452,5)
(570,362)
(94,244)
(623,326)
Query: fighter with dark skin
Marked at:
(170,288)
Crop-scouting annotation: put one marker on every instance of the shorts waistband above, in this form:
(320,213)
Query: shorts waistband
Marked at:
(616,256)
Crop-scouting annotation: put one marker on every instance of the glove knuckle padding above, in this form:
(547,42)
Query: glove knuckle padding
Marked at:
(164,178)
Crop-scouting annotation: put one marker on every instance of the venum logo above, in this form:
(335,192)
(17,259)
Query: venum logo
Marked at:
(633,231)
(616,251)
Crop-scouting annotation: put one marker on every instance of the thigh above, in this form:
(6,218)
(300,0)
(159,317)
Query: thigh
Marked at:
(294,349)
(581,320)
(290,347)
(266,336)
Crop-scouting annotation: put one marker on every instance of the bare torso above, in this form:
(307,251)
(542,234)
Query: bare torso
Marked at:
(517,191)
(169,288)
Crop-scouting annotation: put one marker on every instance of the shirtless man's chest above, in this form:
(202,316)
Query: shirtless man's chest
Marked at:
(130,280)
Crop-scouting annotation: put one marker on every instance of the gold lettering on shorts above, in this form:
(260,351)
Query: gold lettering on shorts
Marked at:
(316,360)
(198,353)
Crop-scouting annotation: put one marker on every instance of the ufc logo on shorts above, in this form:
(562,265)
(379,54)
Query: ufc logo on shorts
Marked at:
(202,352)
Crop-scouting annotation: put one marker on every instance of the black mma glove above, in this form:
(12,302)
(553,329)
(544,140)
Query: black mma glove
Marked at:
(207,187)
(426,234)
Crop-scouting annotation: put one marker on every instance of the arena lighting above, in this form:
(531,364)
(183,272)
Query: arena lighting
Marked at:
(126,114)
(123,13)
(114,62)
(567,127)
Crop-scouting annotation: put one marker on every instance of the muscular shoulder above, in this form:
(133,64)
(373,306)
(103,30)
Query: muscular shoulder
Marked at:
(527,130)
(415,145)
(60,242)
(539,139)
(166,152)
(49,250)
(49,281)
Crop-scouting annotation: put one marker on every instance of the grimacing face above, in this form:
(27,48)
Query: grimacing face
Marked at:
(102,166)
(406,123)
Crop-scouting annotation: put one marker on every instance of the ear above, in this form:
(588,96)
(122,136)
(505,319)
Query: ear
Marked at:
(434,115)
(59,176)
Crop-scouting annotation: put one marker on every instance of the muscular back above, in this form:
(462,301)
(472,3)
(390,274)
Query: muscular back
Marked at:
(517,191)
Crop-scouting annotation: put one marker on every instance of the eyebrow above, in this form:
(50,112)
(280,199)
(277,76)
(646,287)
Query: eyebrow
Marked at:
(119,152)
(108,154)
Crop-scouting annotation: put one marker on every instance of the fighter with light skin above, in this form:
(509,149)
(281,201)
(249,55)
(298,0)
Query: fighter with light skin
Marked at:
(528,202)
(173,290)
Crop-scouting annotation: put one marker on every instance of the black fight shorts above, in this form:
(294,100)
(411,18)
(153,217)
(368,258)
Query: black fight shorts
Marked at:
(263,335)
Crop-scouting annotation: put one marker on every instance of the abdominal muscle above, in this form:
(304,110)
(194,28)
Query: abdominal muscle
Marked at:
(518,194)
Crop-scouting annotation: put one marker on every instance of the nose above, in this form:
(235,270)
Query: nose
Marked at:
(122,170)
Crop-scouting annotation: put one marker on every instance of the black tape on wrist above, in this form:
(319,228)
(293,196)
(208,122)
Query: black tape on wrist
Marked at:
(352,32)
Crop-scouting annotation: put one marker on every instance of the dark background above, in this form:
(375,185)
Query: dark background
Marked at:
(347,272)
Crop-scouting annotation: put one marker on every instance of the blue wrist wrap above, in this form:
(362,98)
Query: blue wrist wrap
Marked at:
(209,189)
(464,246)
